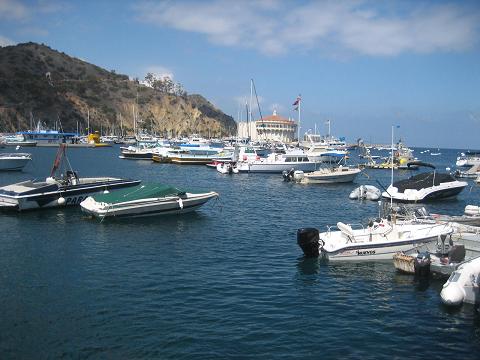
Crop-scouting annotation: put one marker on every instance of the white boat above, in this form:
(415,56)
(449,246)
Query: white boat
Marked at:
(277,163)
(428,186)
(471,173)
(333,175)
(365,192)
(469,158)
(145,200)
(14,161)
(463,284)
(380,240)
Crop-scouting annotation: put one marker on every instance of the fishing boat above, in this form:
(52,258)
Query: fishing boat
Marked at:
(14,161)
(66,189)
(380,240)
(428,186)
(145,200)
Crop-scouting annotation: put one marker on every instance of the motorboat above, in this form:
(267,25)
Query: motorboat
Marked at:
(145,200)
(365,192)
(468,158)
(140,152)
(195,156)
(427,186)
(64,190)
(443,257)
(14,161)
(324,175)
(471,173)
(277,163)
(463,285)
(380,240)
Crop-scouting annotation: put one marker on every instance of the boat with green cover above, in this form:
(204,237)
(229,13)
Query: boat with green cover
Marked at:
(145,200)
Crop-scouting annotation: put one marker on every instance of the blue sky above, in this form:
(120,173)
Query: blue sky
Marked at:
(365,65)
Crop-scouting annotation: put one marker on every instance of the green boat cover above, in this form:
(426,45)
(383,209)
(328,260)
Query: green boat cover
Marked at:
(142,191)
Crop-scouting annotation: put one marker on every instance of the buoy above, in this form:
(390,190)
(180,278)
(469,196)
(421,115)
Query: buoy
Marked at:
(106,191)
(61,200)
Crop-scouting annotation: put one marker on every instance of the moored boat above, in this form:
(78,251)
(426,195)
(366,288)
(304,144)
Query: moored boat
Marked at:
(145,200)
(380,240)
(14,161)
(64,190)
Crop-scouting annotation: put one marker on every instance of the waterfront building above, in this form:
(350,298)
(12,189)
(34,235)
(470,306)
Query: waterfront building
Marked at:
(271,128)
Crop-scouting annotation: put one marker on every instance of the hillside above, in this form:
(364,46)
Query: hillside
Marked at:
(41,83)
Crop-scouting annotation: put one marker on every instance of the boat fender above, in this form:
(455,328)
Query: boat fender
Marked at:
(309,241)
(180,203)
(61,200)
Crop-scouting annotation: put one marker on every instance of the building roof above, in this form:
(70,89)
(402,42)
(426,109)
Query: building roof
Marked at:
(276,118)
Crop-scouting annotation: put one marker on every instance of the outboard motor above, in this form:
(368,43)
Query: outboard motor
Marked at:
(422,264)
(456,254)
(288,174)
(308,240)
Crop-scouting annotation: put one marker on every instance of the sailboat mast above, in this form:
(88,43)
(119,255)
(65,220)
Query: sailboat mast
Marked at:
(250,107)
(88,121)
(391,179)
(299,118)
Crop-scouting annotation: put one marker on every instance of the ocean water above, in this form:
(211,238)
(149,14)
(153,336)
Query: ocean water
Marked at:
(226,282)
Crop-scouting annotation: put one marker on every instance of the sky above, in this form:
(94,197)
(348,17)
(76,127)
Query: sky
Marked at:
(364,65)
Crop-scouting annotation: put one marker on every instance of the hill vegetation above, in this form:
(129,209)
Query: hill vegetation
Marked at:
(38,83)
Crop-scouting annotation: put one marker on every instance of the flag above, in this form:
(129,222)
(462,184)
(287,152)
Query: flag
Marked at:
(297,101)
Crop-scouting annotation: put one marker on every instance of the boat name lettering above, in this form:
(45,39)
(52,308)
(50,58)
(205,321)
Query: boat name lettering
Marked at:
(365,252)
(75,200)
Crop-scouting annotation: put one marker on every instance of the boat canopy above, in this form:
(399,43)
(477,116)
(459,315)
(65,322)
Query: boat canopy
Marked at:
(145,191)
(423,180)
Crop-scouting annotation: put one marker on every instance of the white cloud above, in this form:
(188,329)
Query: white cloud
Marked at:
(353,27)
(12,9)
(5,41)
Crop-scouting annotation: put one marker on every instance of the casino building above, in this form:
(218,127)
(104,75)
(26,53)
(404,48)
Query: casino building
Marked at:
(271,128)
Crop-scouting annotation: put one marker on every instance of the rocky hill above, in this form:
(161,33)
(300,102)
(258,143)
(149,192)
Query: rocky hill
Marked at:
(39,83)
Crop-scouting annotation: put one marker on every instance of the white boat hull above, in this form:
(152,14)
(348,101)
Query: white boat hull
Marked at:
(13,162)
(276,168)
(331,177)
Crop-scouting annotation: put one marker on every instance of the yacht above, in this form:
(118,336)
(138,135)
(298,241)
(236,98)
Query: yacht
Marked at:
(277,163)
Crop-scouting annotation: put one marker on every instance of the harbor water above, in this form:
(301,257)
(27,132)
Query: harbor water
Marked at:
(225,282)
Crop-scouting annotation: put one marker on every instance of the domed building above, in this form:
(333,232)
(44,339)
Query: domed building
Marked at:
(271,128)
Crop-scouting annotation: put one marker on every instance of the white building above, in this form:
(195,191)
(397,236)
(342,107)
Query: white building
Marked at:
(271,128)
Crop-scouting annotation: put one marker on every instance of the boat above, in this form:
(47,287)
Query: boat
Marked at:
(17,140)
(64,190)
(145,200)
(227,168)
(332,175)
(14,161)
(441,258)
(277,163)
(468,158)
(463,284)
(365,192)
(140,152)
(428,186)
(196,156)
(471,173)
(380,240)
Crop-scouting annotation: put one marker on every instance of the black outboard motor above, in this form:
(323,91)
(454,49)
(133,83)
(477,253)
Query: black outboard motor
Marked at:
(422,264)
(288,174)
(308,240)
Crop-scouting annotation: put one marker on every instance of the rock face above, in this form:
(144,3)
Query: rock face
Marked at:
(41,84)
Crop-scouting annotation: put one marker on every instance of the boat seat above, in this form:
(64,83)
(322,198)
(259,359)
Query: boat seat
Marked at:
(346,230)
